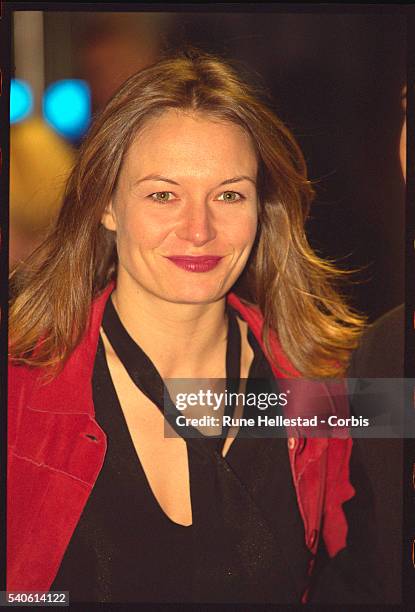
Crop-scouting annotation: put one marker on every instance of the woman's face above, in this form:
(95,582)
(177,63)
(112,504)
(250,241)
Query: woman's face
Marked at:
(185,208)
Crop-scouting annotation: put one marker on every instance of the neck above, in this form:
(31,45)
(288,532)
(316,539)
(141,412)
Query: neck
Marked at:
(182,340)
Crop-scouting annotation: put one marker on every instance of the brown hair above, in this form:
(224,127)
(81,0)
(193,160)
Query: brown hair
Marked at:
(292,286)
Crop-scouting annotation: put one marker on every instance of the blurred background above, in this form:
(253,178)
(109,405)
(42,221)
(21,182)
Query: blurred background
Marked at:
(336,80)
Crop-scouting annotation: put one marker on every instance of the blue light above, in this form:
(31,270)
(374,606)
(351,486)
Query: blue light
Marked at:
(67,107)
(21,100)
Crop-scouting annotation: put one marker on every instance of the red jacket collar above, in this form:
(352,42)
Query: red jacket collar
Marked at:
(71,391)
(79,367)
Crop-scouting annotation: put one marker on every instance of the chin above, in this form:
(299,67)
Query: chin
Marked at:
(196,289)
(193,295)
(188,298)
(199,290)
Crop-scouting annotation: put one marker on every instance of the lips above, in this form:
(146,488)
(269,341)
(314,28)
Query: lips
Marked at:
(202,263)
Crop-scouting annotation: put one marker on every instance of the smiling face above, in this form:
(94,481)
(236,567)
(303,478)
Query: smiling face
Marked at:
(185,209)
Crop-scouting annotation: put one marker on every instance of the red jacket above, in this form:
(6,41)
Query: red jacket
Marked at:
(56,451)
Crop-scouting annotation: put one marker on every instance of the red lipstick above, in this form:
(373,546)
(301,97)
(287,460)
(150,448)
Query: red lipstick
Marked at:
(202,263)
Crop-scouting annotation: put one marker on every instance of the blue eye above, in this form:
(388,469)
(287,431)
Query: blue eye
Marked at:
(230,196)
(162,196)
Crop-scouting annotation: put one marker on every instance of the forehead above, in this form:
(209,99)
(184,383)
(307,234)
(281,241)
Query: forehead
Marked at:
(191,142)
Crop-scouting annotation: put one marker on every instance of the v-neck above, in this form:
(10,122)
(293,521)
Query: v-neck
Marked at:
(146,377)
(246,542)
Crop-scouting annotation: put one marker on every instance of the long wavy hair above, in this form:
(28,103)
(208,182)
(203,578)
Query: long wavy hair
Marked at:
(294,288)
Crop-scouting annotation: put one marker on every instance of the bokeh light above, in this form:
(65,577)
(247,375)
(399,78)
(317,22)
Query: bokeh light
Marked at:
(21,100)
(67,107)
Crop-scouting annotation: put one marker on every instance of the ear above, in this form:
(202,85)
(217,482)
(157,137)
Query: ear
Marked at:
(108,218)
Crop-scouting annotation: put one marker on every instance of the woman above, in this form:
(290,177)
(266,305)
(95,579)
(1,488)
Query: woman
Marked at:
(185,184)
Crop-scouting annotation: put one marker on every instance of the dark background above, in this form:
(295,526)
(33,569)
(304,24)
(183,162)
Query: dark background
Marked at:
(336,79)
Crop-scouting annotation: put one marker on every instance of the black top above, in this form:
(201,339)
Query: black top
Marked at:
(246,542)
(368,570)
(381,350)
(381,355)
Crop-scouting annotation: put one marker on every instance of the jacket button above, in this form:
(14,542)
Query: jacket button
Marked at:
(291,443)
(91,437)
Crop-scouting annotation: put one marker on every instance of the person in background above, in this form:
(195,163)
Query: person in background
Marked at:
(111,47)
(381,350)
(381,355)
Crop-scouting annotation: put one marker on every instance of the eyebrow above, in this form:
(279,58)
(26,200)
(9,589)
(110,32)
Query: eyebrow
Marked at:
(158,177)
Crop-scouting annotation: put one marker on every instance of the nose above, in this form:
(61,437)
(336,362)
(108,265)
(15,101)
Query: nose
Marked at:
(197,223)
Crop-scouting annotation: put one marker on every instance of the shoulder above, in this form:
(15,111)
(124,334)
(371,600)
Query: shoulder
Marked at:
(20,380)
(29,386)
(381,349)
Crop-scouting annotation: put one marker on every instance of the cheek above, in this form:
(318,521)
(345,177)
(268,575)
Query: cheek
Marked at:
(243,233)
(138,231)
